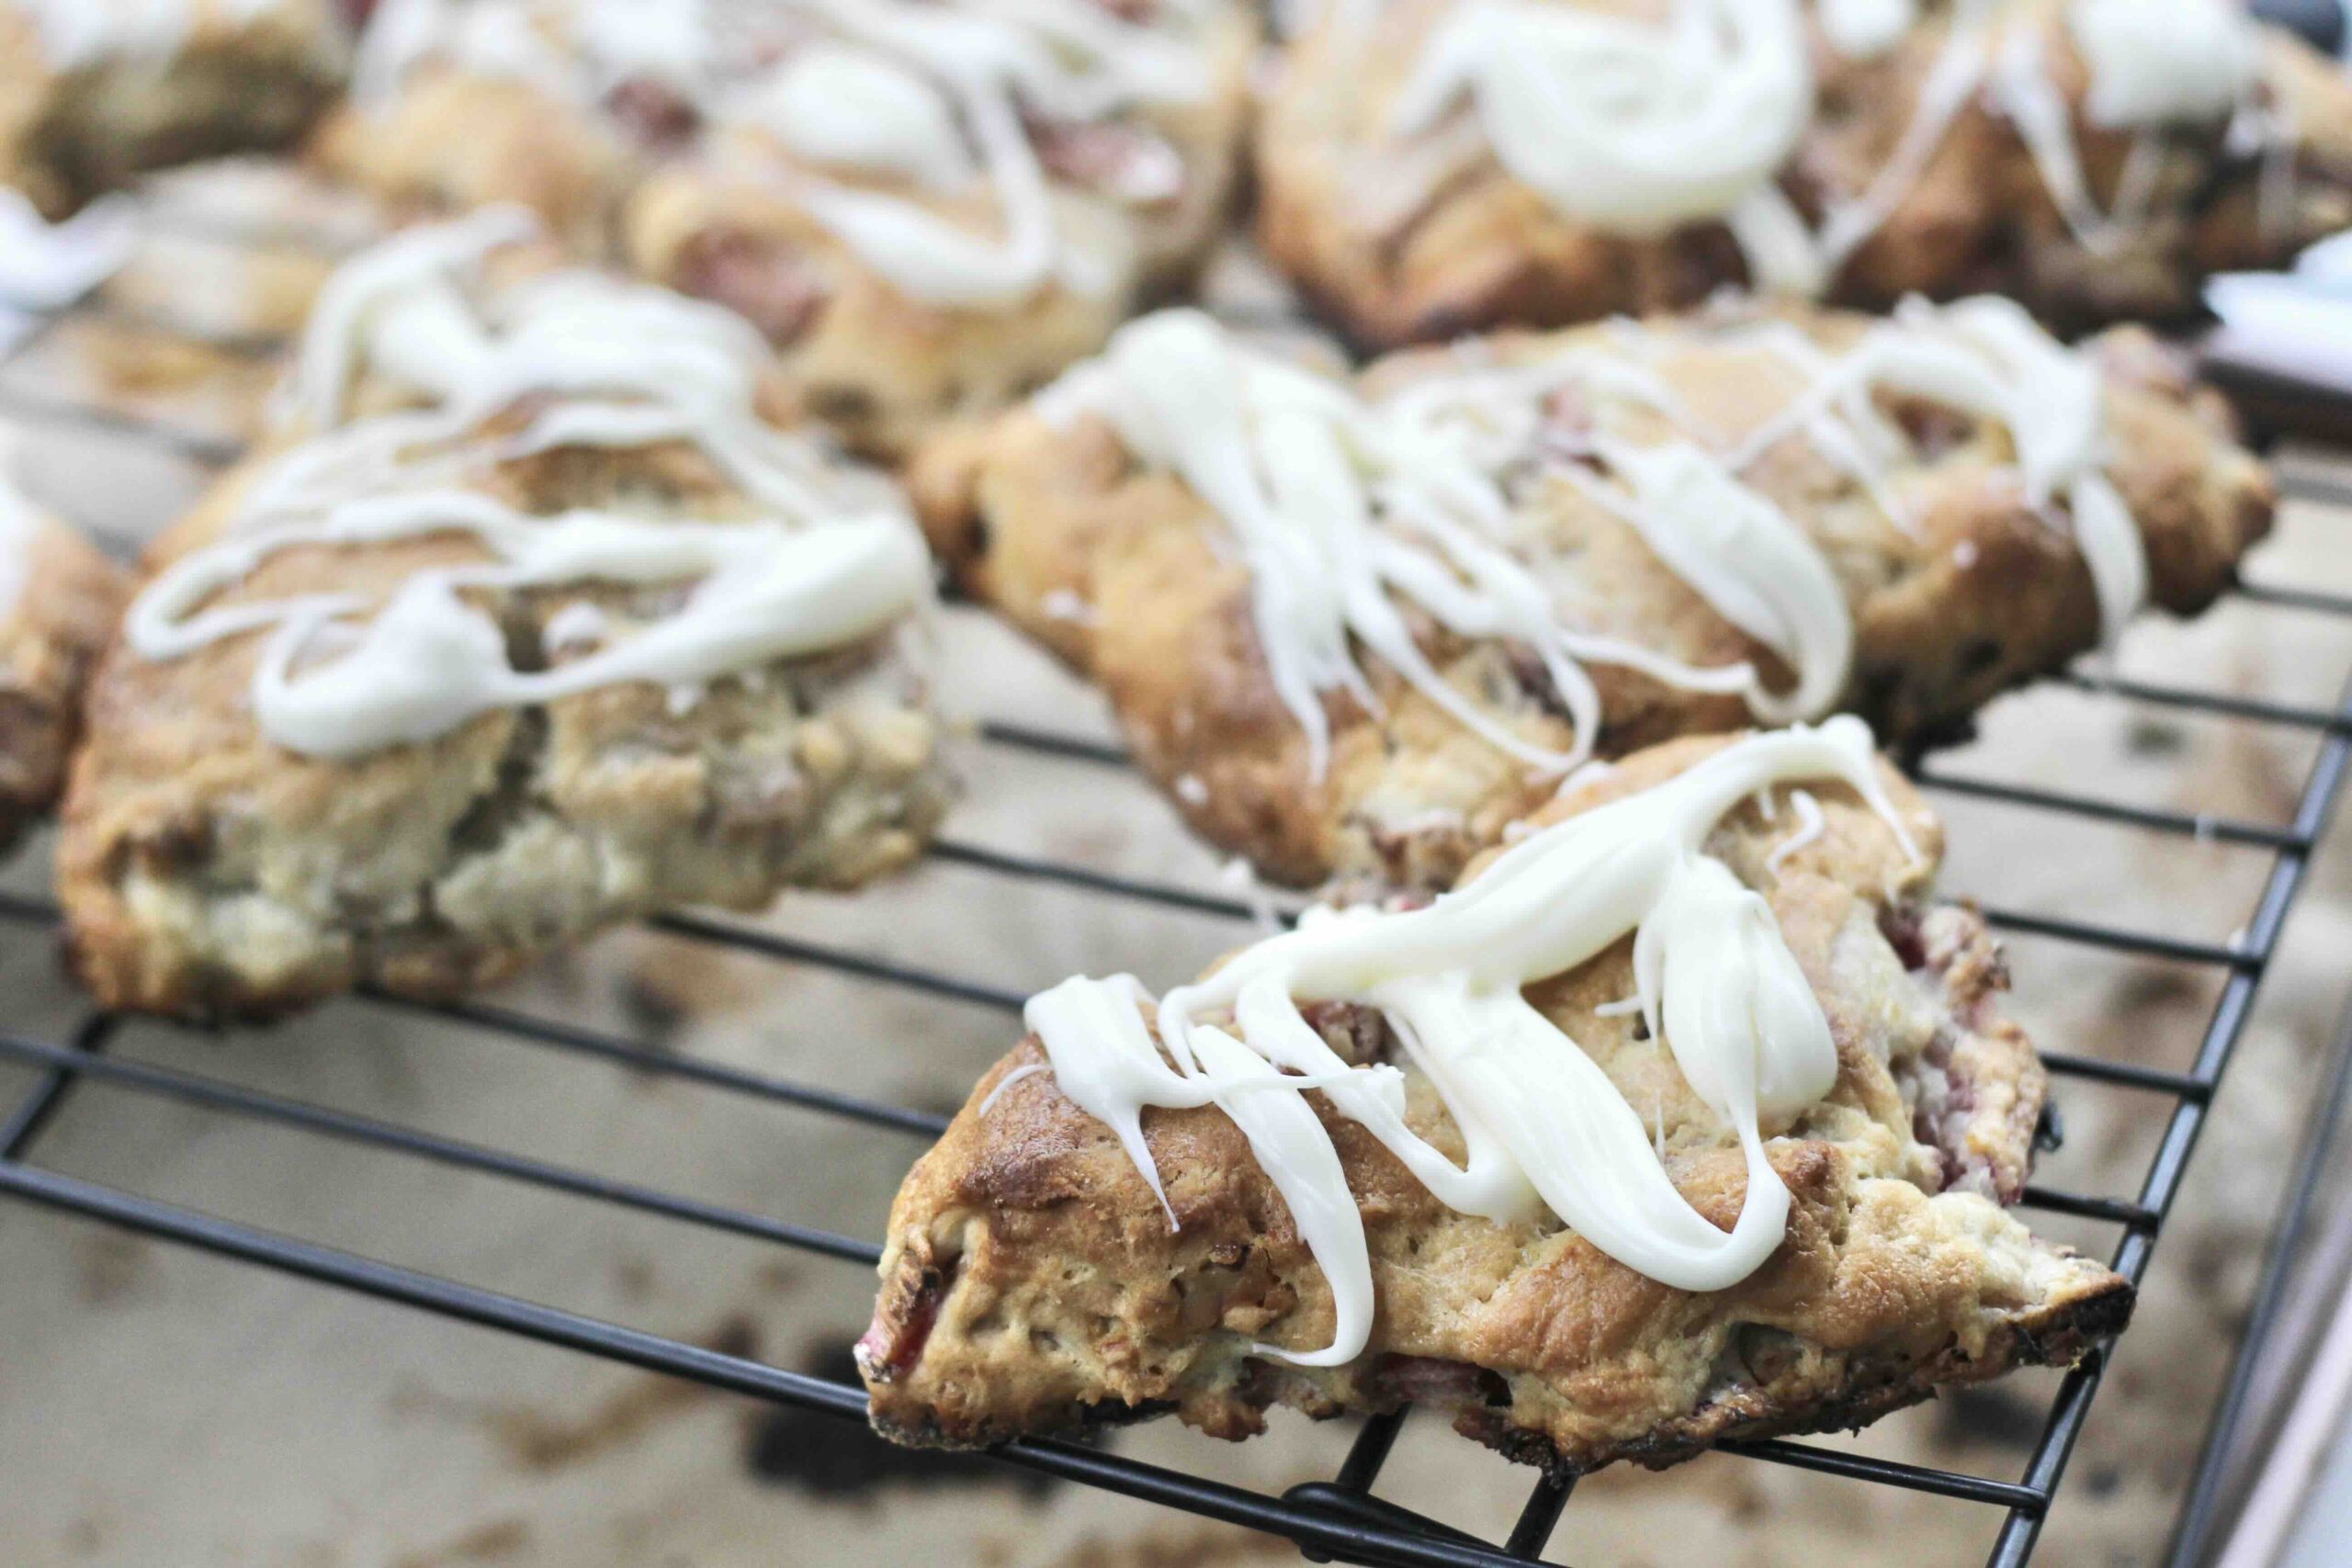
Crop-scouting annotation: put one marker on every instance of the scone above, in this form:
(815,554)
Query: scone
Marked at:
(1359,628)
(59,598)
(1429,167)
(542,623)
(930,210)
(95,92)
(1690,1117)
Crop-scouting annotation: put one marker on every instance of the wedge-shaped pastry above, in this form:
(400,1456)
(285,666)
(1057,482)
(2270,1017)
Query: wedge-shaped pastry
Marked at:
(1686,1118)
(563,632)
(59,598)
(930,210)
(95,92)
(1434,166)
(1359,628)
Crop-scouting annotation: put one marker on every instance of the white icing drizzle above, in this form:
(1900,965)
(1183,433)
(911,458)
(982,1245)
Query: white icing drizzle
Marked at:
(2186,62)
(1989,359)
(1638,128)
(79,33)
(1633,127)
(1865,29)
(330,684)
(45,267)
(833,558)
(1338,505)
(621,365)
(1810,824)
(1543,1125)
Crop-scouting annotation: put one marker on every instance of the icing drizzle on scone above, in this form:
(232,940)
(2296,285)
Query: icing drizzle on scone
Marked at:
(1633,127)
(1342,505)
(908,118)
(566,359)
(1637,128)
(1543,1126)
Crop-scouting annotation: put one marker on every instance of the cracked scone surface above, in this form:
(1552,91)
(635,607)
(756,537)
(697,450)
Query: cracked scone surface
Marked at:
(1420,238)
(886,368)
(61,596)
(1031,1282)
(1122,570)
(206,871)
(242,78)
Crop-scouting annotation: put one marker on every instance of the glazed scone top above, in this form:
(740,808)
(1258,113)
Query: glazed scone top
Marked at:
(827,557)
(1347,502)
(1636,124)
(926,138)
(1543,1126)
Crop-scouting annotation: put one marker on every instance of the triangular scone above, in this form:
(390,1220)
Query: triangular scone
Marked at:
(99,91)
(59,598)
(1031,1280)
(939,277)
(1434,167)
(599,639)
(1846,505)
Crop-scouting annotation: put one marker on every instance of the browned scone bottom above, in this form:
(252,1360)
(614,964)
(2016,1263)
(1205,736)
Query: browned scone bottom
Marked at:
(1030,1281)
(207,872)
(1421,238)
(1123,571)
(66,596)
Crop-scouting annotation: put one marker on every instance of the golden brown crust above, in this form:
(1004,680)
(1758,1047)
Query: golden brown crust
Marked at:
(886,369)
(66,596)
(205,870)
(1030,1280)
(233,85)
(1115,567)
(1421,241)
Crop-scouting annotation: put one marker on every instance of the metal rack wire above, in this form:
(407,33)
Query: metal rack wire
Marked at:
(1341,1519)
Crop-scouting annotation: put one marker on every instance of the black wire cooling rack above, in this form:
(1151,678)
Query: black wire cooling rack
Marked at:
(1341,1519)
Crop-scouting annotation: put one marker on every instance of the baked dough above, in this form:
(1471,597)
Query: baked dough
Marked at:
(1117,565)
(1030,1281)
(212,866)
(94,93)
(59,597)
(1137,196)
(1412,229)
